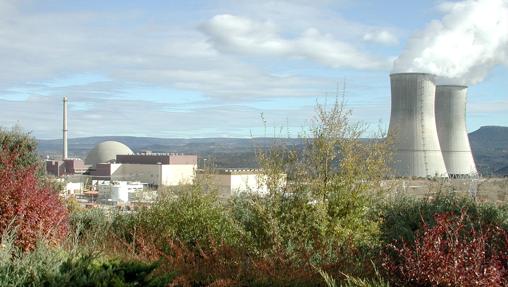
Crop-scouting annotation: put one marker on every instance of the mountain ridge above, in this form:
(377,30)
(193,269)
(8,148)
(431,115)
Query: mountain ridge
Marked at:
(489,145)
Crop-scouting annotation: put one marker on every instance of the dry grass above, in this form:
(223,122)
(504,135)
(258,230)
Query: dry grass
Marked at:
(494,190)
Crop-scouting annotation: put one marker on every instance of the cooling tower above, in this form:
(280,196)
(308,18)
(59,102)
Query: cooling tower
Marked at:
(413,126)
(451,129)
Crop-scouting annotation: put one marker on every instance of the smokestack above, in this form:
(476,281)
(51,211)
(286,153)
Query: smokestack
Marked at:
(413,126)
(65,128)
(452,132)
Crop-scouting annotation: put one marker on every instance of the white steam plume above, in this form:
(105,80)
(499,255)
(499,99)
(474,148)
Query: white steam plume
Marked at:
(470,39)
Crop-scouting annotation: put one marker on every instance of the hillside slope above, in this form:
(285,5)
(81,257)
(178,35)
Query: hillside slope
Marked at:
(490,148)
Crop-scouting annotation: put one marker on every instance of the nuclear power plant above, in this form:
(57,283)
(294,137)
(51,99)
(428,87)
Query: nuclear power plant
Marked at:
(428,128)
(112,173)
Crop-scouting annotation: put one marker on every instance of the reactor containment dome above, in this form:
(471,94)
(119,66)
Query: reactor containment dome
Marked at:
(417,152)
(106,152)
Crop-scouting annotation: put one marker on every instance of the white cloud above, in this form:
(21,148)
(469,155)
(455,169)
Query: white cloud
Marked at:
(233,33)
(382,37)
(125,48)
(42,47)
(230,33)
(143,117)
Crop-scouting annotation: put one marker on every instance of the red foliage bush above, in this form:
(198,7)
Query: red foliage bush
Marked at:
(452,254)
(32,208)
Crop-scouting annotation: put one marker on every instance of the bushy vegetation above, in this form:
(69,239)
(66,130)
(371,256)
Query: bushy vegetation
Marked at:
(451,253)
(189,215)
(24,146)
(28,203)
(49,265)
(403,216)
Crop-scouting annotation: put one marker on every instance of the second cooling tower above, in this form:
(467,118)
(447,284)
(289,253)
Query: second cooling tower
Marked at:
(451,128)
(417,152)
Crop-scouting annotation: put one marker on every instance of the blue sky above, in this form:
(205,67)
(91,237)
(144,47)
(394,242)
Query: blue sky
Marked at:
(210,68)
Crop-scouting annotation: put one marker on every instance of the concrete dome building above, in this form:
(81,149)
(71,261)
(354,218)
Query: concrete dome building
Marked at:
(105,152)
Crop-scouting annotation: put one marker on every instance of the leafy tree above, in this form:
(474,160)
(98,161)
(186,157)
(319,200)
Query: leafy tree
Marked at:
(332,186)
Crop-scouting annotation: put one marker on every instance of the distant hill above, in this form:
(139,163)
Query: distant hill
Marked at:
(223,152)
(489,145)
(490,148)
(502,171)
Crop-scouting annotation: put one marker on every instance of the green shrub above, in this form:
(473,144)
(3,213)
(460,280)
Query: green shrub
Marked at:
(88,270)
(26,268)
(22,143)
(123,225)
(190,216)
(403,216)
(90,223)
(48,265)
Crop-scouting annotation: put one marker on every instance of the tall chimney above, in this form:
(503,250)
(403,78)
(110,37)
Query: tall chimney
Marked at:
(65,128)
(417,152)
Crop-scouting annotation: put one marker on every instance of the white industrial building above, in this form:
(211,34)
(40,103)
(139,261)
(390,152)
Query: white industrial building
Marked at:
(232,182)
(152,174)
(123,192)
(116,162)
(73,187)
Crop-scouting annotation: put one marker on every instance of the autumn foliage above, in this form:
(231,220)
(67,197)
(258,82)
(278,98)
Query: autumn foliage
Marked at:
(451,253)
(219,264)
(31,208)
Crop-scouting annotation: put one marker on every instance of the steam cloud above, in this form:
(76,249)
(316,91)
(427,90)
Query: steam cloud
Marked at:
(470,40)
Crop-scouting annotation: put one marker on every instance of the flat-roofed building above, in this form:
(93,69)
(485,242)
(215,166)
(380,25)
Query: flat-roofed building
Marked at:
(156,169)
(64,167)
(55,167)
(231,182)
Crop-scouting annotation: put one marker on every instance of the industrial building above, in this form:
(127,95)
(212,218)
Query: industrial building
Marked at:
(119,192)
(231,182)
(155,169)
(428,128)
(69,166)
(116,162)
